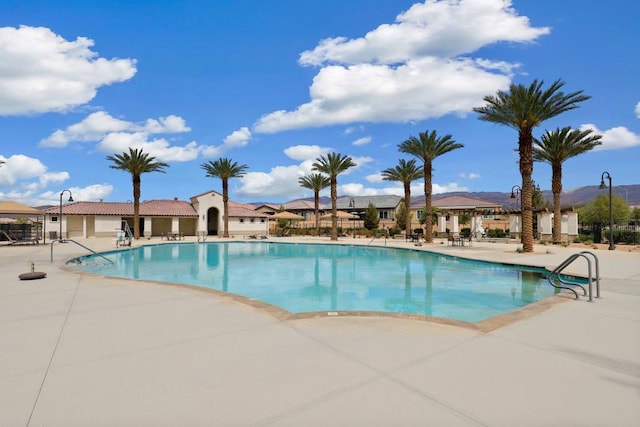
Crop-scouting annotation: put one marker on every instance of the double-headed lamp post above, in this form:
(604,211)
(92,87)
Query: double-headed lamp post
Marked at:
(515,192)
(605,174)
(60,219)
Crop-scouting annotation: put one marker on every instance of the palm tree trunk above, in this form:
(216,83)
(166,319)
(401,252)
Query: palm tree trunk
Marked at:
(525,147)
(428,220)
(225,201)
(556,188)
(407,207)
(334,208)
(316,205)
(136,206)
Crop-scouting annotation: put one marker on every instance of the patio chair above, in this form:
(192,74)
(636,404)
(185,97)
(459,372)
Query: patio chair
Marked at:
(454,239)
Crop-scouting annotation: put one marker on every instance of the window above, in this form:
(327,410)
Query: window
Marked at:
(384,215)
(54,219)
(241,219)
(262,220)
(252,220)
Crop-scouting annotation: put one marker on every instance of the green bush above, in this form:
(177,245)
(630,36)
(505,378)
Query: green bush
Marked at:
(393,231)
(496,232)
(625,236)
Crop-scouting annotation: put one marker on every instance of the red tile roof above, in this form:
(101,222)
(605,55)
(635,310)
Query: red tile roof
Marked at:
(147,208)
(172,208)
(238,210)
(459,202)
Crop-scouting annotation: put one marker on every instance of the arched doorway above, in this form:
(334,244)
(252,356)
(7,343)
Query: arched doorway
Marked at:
(212,221)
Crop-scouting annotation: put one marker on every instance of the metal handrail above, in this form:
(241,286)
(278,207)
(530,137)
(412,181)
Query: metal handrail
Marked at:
(79,244)
(566,263)
(377,235)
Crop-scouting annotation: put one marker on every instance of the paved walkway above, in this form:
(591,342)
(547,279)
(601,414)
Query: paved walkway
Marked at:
(78,350)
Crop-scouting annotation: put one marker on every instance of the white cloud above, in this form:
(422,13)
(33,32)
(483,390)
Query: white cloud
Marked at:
(409,70)
(306,152)
(360,163)
(279,181)
(441,28)
(53,178)
(615,138)
(92,128)
(169,124)
(22,179)
(98,125)
(43,72)
(90,193)
(362,141)
(638,110)
(115,135)
(376,177)
(470,175)
(20,168)
(423,88)
(356,189)
(238,138)
(159,148)
(352,129)
(448,188)
(282,181)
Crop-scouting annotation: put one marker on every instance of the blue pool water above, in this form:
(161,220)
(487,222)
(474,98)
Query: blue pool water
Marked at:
(313,277)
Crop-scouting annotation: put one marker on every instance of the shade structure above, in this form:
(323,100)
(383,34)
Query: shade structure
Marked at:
(340,215)
(287,215)
(15,208)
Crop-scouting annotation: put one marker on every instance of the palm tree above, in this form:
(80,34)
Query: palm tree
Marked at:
(136,163)
(333,164)
(224,169)
(315,182)
(523,108)
(427,146)
(405,172)
(554,148)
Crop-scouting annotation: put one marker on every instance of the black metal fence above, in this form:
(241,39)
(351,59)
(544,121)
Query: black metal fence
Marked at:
(20,232)
(627,233)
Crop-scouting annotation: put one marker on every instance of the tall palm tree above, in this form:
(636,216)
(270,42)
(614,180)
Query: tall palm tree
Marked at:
(405,172)
(224,169)
(136,163)
(554,148)
(427,146)
(315,182)
(333,164)
(523,108)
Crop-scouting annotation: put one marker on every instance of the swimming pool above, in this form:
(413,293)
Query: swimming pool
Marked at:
(332,278)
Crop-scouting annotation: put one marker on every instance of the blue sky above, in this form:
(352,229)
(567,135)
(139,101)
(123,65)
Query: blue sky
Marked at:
(275,84)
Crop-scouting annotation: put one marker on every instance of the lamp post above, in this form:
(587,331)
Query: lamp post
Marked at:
(352,205)
(516,192)
(60,219)
(602,187)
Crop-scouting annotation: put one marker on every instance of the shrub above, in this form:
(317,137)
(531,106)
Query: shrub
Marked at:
(496,232)
(393,231)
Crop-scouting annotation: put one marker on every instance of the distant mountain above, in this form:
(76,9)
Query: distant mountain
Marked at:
(577,197)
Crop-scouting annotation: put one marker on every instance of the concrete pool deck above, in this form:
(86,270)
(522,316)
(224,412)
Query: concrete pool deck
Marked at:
(78,350)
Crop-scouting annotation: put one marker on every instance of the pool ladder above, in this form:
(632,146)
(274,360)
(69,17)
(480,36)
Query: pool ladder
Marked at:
(556,273)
